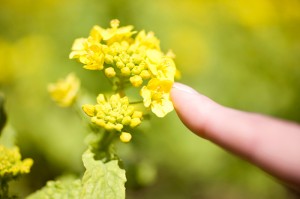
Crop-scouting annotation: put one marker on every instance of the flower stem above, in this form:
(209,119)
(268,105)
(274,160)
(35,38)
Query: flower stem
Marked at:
(3,188)
(104,150)
(137,102)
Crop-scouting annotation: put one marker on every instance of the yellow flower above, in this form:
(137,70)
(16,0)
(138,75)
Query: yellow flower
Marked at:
(161,66)
(134,59)
(156,95)
(137,60)
(65,91)
(147,40)
(11,164)
(114,113)
(115,34)
(89,52)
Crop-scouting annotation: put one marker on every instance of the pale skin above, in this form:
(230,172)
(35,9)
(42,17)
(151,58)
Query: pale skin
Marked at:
(271,144)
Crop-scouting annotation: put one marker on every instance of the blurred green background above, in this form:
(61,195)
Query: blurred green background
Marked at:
(243,54)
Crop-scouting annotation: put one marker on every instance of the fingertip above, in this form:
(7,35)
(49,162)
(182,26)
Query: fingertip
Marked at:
(184,88)
(191,107)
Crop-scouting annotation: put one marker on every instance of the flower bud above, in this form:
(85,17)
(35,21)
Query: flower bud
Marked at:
(136,80)
(137,114)
(118,127)
(110,72)
(145,74)
(125,71)
(89,109)
(109,59)
(126,120)
(120,64)
(101,99)
(135,122)
(125,137)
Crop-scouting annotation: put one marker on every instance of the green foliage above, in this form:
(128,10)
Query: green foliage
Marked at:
(100,180)
(11,164)
(60,189)
(11,168)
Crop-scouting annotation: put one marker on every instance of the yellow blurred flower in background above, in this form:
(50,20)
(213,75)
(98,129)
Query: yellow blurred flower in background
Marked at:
(29,53)
(254,14)
(11,165)
(65,91)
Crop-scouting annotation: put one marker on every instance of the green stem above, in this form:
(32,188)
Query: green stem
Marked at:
(104,149)
(3,189)
(109,80)
(121,88)
(76,107)
(137,102)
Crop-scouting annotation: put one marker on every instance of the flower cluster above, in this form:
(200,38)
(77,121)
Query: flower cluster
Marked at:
(64,91)
(127,58)
(114,114)
(131,57)
(11,165)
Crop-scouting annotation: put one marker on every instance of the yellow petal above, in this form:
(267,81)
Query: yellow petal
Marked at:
(154,56)
(101,99)
(89,109)
(78,44)
(146,94)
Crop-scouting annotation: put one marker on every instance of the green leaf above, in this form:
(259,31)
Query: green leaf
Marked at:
(60,189)
(102,180)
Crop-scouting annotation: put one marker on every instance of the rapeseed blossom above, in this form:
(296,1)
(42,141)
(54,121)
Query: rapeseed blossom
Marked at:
(129,57)
(161,66)
(156,95)
(65,91)
(11,165)
(114,114)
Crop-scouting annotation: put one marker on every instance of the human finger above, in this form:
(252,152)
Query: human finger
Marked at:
(271,144)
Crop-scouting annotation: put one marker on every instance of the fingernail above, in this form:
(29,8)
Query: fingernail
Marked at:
(184,88)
